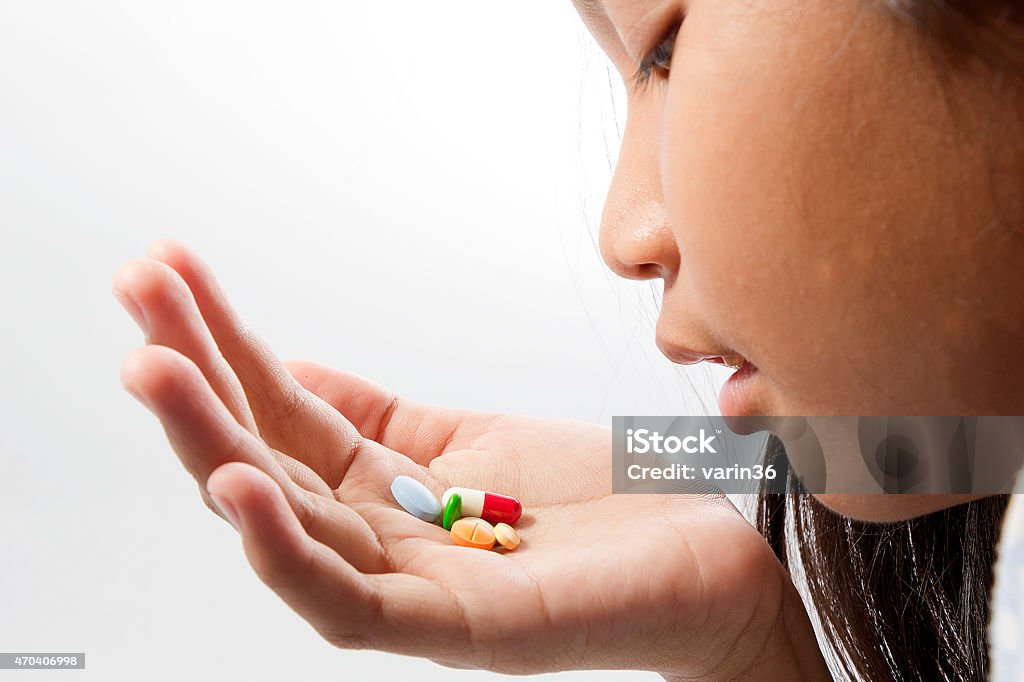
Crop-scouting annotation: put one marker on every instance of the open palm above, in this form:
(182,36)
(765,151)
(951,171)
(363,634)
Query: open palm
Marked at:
(300,457)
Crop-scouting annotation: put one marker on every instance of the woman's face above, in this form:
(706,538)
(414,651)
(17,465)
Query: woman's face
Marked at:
(825,197)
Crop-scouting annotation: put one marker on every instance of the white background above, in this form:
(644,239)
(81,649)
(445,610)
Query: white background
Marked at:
(408,190)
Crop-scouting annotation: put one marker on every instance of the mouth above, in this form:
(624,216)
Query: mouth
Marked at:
(739,395)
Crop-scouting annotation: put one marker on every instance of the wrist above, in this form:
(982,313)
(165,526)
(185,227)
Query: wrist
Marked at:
(788,652)
(782,664)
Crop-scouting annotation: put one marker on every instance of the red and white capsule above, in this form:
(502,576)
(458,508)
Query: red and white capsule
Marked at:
(490,507)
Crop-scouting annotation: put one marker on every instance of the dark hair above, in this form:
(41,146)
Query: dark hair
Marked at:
(896,601)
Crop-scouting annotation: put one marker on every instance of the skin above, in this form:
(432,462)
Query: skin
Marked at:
(759,181)
(831,210)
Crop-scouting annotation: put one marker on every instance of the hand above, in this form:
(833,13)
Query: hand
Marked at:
(300,458)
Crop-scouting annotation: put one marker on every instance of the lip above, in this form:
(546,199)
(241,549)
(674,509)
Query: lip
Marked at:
(737,397)
(685,356)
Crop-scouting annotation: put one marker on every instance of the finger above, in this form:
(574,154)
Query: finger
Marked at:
(391,612)
(326,521)
(422,432)
(199,427)
(283,555)
(288,418)
(160,296)
(205,436)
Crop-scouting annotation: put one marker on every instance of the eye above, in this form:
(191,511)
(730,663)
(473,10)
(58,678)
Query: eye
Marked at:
(657,59)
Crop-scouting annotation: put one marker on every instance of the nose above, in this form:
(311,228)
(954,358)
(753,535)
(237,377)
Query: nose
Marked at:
(636,240)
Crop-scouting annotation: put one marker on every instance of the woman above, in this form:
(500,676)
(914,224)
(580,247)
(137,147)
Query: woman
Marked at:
(832,195)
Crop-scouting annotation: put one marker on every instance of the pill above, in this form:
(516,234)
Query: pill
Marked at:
(473,532)
(452,511)
(506,536)
(490,507)
(415,498)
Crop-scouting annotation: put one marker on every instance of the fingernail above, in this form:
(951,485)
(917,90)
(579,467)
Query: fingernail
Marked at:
(133,309)
(227,509)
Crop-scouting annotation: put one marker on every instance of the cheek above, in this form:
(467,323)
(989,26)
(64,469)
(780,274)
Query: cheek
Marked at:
(795,165)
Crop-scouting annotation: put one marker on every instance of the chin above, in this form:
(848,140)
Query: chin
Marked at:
(881,508)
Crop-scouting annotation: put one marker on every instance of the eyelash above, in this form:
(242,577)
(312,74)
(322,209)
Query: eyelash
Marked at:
(660,57)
